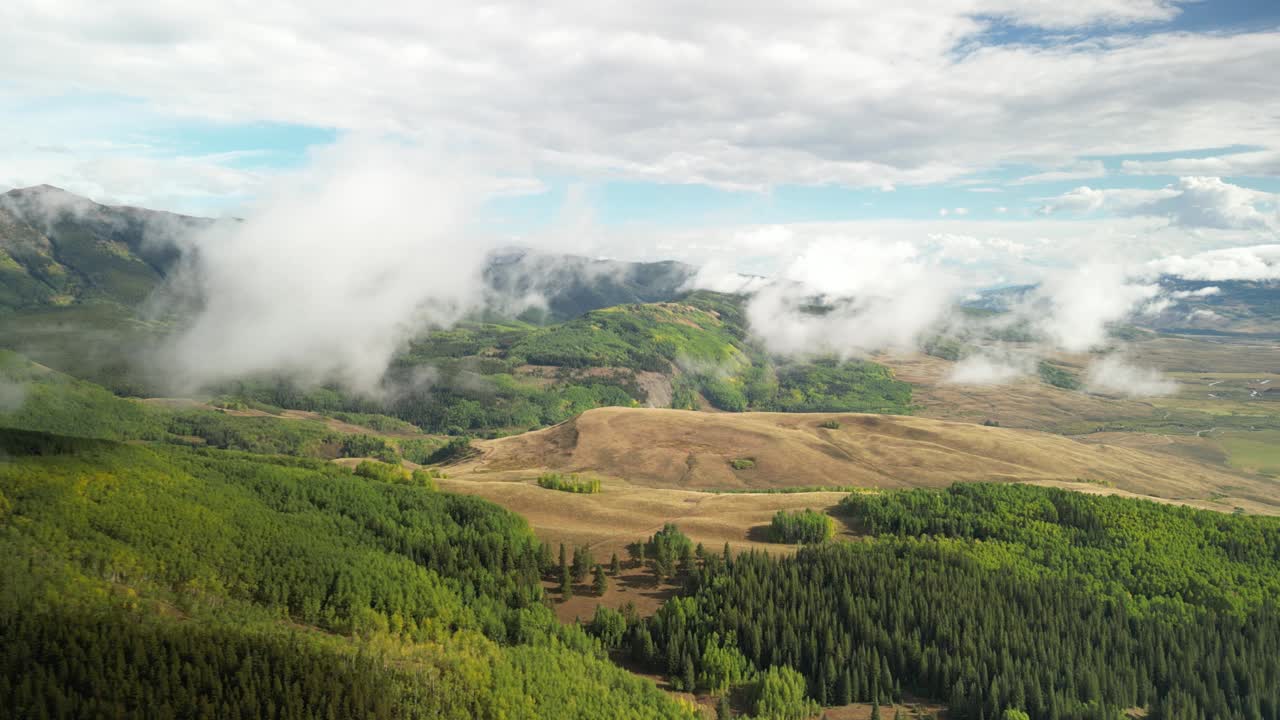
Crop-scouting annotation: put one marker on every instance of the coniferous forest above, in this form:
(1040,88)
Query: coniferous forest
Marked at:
(996,598)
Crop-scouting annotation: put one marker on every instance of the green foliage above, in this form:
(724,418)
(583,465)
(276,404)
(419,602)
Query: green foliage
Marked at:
(831,424)
(457,448)
(609,626)
(599,582)
(742,463)
(569,483)
(780,695)
(801,526)
(1158,554)
(482,381)
(1007,597)
(723,666)
(1057,376)
(829,385)
(161,581)
(640,337)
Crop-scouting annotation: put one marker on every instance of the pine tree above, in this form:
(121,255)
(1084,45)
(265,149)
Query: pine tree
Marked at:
(600,584)
(566,582)
(723,712)
(615,566)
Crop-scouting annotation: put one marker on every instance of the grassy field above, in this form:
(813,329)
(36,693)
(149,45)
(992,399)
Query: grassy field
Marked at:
(661,466)
(1253,452)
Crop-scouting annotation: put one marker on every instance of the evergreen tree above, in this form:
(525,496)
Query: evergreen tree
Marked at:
(615,566)
(600,584)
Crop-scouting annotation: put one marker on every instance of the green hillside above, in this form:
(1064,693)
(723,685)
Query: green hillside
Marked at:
(493,377)
(170,582)
(49,401)
(59,249)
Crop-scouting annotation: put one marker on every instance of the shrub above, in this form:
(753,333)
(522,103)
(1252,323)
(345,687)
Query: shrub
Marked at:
(805,526)
(831,424)
(569,483)
(742,463)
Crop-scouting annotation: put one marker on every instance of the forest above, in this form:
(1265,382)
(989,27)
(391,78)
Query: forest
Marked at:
(995,599)
(154,581)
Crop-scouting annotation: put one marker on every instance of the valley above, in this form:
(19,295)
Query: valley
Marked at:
(415,525)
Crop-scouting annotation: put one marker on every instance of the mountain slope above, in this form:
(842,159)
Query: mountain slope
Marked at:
(58,248)
(214,584)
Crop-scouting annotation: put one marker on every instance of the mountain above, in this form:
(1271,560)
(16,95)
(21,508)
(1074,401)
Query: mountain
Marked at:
(1199,307)
(57,248)
(572,285)
(1234,307)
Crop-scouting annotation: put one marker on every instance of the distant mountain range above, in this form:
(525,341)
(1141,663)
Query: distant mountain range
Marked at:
(1200,307)
(61,249)
(58,248)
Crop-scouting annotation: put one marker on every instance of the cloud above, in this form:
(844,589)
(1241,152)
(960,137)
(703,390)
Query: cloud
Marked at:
(872,295)
(1257,163)
(743,95)
(12,395)
(991,369)
(1080,170)
(1114,375)
(328,276)
(1074,308)
(1257,262)
(1192,202)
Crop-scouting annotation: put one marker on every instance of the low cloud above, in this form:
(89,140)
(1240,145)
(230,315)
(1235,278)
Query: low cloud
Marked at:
(1256,262)
(1075,308)
(991,369)
(1115,375)
(329,276)
(851,297)
(12,395)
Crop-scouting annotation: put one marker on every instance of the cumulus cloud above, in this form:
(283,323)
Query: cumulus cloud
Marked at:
(1192,202)
(1114,375)
(332,271)
(1255,262)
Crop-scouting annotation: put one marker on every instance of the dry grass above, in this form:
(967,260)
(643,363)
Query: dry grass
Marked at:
(674,449)
(659,466)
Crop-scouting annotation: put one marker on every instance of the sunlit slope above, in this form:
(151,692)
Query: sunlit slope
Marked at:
(671,448)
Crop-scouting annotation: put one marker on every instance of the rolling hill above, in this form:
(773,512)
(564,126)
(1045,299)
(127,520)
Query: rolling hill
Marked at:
(696,451)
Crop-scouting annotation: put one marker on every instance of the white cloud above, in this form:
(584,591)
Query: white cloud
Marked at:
(740,95)
(1081,170)
(1257,262)
(1074,307)
(331,272)
(1114,375)
(991,369)
(1258,163)
(1192,202)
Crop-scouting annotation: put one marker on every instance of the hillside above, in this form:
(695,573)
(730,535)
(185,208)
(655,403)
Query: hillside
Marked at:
(57,248)
(673,449)
(246,586)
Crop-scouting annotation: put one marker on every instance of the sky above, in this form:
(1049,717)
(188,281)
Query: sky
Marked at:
(999,136)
